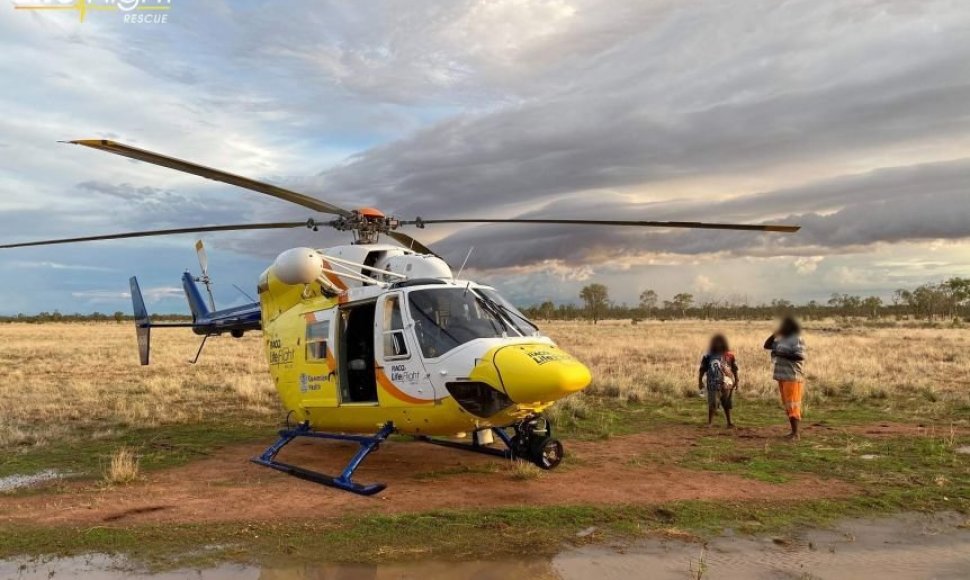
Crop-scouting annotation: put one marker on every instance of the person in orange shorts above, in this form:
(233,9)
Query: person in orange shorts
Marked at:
(787,356)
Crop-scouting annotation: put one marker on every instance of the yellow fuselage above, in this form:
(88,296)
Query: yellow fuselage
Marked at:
(530,373)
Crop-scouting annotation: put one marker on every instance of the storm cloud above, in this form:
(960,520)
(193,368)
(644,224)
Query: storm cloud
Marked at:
(845,214)
(849,119)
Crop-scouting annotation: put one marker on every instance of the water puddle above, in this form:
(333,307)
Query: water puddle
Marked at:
(18,481)
(905,546)
(106,568)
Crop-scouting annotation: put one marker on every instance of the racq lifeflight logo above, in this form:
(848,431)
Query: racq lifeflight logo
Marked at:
(130,11)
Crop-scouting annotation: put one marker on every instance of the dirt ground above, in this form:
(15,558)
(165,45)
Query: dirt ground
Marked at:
(420,477)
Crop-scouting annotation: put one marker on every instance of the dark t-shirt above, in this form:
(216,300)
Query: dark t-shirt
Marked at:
(718,366)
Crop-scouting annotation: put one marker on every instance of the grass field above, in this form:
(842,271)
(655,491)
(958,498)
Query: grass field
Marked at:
(73,395)
(69,383)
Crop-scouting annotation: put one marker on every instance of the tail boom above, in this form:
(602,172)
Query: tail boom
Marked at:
(205,322)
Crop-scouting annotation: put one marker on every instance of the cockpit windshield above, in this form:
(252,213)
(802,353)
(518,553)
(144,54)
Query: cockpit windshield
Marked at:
(445,318)
(522,324)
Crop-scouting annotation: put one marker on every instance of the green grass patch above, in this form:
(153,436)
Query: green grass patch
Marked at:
(603,418)
(923,465)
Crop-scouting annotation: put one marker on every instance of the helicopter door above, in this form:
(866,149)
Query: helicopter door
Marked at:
(318,381)
(358,385)
(400,372)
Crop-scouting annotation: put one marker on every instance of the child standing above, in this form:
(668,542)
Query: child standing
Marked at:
(720,368)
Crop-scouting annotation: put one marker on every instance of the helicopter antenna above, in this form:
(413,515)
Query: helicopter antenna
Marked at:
(243,292)
(468,255)
(204,264)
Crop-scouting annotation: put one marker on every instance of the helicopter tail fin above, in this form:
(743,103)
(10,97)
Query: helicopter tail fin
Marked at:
(200,310)
(204,321)
(143,325)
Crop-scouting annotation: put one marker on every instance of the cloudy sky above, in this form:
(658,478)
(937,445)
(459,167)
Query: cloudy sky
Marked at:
(851,119)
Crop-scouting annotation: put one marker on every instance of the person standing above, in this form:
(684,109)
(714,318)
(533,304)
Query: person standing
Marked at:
(787,356)
(720,368)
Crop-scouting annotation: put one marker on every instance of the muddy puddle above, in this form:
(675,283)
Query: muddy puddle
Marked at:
(104,568)
(900,547)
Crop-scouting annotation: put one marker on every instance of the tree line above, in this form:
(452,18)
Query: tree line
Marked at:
(56,316)
(947,300)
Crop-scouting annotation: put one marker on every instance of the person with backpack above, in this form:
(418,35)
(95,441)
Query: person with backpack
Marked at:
(719,368)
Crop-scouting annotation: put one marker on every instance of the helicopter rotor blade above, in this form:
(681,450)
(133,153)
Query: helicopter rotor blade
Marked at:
(623,223)
(150,233)
(210,173)
(410,243)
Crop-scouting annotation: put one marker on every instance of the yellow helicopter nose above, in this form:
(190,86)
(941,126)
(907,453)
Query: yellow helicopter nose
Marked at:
(532,373)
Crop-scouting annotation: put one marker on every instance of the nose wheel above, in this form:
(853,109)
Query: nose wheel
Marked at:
(546,453)
(533,440)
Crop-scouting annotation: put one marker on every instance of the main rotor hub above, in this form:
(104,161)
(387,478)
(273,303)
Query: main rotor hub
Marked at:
(367,224)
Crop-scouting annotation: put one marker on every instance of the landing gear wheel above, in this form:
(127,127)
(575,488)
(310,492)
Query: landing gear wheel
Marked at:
(547,453)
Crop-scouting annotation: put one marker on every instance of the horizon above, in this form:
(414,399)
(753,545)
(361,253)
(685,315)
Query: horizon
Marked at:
(699,302)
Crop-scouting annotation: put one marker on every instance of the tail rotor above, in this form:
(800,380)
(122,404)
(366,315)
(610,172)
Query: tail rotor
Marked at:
(204,279)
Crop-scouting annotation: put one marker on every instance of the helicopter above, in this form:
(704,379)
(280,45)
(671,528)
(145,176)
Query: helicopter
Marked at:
(370,339)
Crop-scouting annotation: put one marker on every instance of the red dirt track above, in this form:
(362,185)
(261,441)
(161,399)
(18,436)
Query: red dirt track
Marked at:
(420,477)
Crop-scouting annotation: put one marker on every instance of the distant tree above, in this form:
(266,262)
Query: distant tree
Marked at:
(596,297)
(119,316)
(845,304)
(648,301)
(682,302)
(959,290)
(853,305)
(871,306)
(711,309)
(547,310)
(781,307)
(812,308)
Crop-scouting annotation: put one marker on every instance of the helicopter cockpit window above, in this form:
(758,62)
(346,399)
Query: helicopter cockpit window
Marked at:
(510,312)
(445,318)
(316,340)
(394,345)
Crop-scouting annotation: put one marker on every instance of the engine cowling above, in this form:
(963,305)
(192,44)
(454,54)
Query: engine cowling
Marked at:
(416,266)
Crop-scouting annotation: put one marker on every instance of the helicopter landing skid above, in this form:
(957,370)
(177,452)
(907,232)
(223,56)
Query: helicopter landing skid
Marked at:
(343,481)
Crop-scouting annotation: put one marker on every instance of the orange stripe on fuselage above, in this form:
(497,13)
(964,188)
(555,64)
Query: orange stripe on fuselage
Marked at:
(394,391)
(334,279)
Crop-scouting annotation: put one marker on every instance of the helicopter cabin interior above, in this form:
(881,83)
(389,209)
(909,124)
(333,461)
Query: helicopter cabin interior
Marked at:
(355,337)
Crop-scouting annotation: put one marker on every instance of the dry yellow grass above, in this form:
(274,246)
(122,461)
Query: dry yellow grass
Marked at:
(662,357)
(123,468)
(84,380)
(523,470)
(61,380)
